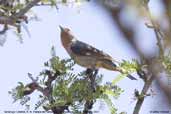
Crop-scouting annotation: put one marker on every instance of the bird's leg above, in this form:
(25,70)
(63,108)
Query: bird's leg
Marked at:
(92,76)
(87,106)
(89,71)
(93,81)
(95,73)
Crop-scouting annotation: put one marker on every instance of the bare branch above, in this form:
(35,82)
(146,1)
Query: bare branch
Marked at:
(157,32)
(14,19)
(92,76)
(25,9)
(143,94)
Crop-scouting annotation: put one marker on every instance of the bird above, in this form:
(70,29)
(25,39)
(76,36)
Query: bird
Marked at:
(86,55)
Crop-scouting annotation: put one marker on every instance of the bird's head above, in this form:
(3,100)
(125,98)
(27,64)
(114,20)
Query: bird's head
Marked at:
(64,30)
(66,36)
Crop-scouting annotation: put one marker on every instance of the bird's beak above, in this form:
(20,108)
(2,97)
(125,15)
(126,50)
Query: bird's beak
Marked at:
(62,29)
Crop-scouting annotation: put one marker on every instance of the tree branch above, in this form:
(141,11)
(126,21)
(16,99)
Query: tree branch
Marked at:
(25,9)
(16,17)
(92,74)
(47,91)
(148,83)
(143,93)
(157,31)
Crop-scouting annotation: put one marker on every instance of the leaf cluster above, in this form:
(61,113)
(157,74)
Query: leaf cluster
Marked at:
(72,89)
(166,62)
(129,66)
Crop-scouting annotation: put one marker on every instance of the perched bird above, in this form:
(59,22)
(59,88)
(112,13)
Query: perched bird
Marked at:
(86,55)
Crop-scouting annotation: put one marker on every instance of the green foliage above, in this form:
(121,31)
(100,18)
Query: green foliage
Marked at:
(17,93)
(9,8)
(118,78)
(53,2)
(12,9)
(64,1)
(108,101)
(20,89)
(129,66)
(112,90)
(166,61)
(61,65)
(69,88)
(123,113)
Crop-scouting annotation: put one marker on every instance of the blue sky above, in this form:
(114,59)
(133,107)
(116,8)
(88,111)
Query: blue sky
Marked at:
(90,23)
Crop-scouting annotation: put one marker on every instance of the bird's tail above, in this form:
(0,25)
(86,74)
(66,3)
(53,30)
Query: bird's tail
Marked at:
(110,65)
(121,71)
(131,77)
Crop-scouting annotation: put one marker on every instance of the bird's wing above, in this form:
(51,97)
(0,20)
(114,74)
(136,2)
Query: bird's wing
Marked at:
(83,49)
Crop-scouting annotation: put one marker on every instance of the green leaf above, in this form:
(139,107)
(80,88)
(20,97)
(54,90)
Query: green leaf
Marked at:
(118,78)
(109,92)
(64,1)
(129,66)
(53,2)
(108,101)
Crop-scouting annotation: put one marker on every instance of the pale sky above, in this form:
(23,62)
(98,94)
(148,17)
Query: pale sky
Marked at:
(90,23)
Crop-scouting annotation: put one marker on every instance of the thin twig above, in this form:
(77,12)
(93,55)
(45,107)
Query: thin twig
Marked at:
(25,9)
(157,32)
(13,19)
